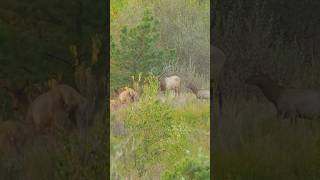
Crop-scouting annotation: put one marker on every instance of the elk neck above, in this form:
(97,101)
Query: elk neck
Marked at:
(272,91)
(193,89)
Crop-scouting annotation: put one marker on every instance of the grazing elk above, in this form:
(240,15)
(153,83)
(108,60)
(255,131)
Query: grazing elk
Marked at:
(200,93)
(289,102)
(60,106)
(171,83)
(217,59)
(128,95)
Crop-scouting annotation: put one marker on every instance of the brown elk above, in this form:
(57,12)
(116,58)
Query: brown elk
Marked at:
(200,93)
(128,95)
(217,58)
(114,104)
(289,102)
(171,83)
(60,106)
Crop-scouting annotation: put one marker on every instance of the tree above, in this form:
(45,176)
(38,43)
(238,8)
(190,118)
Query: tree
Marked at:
(138,51)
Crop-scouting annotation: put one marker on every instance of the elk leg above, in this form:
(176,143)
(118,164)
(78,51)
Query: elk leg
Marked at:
(176,92)
(220,103)
(281,115)
(295,119)
(220,99)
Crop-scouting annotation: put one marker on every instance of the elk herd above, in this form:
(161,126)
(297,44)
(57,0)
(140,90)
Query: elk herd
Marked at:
(289,102)
(170,83)
(64,107)
(174,83)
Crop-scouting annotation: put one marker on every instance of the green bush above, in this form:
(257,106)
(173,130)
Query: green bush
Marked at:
(160,134)
(189,169)
(151,126)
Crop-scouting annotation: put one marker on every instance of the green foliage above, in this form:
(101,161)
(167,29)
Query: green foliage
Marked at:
(116,7)
(189,169)
(161,130)
(138,51)
(151,124)
(160,135)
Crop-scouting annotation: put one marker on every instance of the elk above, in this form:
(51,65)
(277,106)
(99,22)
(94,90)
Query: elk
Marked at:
(114,104)
(171,83)
(60,106)
(128,95)
(200,93)
(290,102)
(217,58)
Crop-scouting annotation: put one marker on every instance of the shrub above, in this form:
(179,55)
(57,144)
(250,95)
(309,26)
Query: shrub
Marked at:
(156,135)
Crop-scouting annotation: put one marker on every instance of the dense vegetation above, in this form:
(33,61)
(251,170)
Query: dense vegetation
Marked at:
(279,38)
(166,138)
(160,136)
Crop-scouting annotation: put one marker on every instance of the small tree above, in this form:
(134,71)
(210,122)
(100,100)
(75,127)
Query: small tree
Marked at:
(138,51)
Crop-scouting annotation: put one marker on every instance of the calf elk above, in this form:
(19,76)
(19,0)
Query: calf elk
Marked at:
(200,93)
(128,95)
